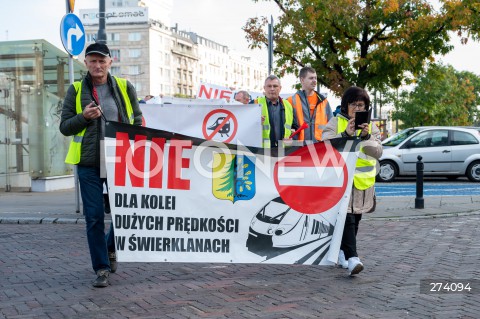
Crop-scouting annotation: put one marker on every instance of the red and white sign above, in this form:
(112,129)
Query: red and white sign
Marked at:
(188,119)
(312,179)
(220,125)
(212,91)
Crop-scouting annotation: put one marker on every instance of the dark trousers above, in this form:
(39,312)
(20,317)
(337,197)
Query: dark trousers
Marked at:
(349,239)
(99,243)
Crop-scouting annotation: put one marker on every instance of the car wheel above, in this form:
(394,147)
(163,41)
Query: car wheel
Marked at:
(473,171)
(388,172)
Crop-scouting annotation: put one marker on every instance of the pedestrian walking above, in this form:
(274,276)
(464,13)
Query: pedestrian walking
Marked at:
(88,104)
(362,197)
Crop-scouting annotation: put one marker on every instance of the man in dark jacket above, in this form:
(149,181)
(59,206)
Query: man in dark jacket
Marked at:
(99,97)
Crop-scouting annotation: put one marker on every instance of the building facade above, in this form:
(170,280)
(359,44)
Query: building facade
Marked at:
(159,59)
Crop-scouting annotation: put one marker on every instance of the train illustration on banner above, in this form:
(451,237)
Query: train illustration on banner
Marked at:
(277,226)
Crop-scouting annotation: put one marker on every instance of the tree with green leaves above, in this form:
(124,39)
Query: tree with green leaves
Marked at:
(442,96)
(369,43)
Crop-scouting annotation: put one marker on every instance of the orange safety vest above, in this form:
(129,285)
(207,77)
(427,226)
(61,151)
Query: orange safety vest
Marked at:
(317,122)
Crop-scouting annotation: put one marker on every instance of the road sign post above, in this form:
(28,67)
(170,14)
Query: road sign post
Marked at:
(72,34)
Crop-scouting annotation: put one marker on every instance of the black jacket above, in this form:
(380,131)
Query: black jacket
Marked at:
(72,123)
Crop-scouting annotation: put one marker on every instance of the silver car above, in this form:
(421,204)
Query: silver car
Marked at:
(446,151)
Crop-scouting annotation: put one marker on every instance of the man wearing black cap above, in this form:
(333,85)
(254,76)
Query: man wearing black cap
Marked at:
(99,97)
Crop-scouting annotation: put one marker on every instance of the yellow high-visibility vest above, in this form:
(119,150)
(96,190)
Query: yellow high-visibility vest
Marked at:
(365,168)
(266,124)
(75,149)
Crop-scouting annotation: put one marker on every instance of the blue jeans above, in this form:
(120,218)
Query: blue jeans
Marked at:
(91,188)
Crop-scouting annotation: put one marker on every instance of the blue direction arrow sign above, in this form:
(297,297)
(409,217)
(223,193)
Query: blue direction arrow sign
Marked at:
(72,34)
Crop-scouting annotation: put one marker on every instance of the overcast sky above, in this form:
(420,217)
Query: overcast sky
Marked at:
(219,20)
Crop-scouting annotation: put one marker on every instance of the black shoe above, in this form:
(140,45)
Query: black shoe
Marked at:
(102,278)
(112,257)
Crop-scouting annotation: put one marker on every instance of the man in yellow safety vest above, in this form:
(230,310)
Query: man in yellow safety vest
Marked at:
(88,104)
(278,117)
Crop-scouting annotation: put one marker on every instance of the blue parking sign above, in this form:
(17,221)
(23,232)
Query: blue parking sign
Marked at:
(72,34)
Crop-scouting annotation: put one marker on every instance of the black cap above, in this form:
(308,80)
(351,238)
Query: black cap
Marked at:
(97,48)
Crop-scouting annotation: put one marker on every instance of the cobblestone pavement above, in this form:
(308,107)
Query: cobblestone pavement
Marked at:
(45,273)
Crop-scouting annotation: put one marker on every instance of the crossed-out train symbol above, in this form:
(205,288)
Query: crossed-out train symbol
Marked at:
(225,129)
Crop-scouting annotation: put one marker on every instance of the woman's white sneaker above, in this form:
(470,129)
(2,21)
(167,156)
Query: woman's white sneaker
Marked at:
(342,262)
(354,265)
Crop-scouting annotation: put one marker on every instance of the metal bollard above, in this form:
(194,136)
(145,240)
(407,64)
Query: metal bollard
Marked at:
(419,199)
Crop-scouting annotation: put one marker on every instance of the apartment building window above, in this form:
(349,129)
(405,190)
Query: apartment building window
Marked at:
(134,36)
(91,37)
(115,70)
(167,59)
(113,37)
(134,70)
(134,53)
(115,55)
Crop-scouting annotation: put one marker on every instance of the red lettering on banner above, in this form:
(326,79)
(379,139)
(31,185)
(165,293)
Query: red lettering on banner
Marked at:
(175,164)
(203,90)
(225,94)
(212,93)
(156,162)
(133,161)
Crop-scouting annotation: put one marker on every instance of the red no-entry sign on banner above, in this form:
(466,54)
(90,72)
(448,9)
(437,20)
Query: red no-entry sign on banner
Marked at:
(312,179)
(220,125)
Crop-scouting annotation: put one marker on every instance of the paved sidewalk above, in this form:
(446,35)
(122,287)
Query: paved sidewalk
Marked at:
(45,270)
(59,207)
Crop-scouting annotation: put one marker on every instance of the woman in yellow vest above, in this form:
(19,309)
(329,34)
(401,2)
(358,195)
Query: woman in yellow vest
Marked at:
(362,198)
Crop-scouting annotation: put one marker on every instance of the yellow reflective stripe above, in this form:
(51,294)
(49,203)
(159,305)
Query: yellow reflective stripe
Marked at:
(266,124)
(122,85)
(75,147)
(364,169)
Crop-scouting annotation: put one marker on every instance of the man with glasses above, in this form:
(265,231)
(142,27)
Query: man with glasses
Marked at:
(278,117)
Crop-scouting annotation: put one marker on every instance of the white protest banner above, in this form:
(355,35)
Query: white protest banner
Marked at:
(227,123)
(180,199)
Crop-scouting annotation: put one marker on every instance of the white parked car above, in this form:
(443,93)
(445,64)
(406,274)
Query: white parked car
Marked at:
(446,151)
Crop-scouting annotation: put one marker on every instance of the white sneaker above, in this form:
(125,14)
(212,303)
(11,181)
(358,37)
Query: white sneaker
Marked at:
(342,262)
(354,265)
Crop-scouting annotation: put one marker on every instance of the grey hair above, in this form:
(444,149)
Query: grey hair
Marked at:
(272,77)
(244,93)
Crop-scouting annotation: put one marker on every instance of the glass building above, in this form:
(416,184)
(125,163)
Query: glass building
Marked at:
(34,77)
